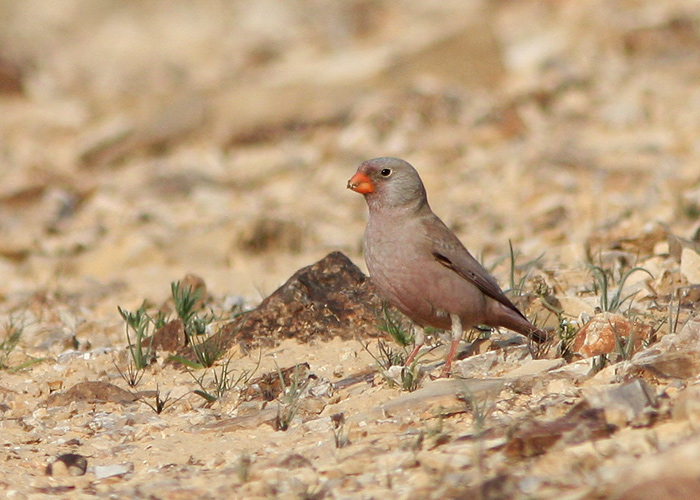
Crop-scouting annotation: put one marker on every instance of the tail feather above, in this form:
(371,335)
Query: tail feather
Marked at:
(514,320)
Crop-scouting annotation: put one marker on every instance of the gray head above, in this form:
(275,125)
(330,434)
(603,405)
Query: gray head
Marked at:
(389,183)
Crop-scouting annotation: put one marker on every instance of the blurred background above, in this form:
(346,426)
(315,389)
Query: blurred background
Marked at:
(140,141)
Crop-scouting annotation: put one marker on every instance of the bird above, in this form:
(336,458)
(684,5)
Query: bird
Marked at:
(421,267)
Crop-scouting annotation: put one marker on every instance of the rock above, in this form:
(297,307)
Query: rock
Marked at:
(580,424)
(170,337)
(446,393)
(690,266)
(686,405)
(672,487)
(365,376)
(676,364)
(105,471)
(54,490)
(625,237)
(269,386)
(327,299)
(607,332)
(674,356)
(267,415)
(631,402)
(578,371)
(294,461)
(98,392)
(670,474)
(688,339)
(534,367)
(68,464)
(197,287)
(481,365)
(563,387)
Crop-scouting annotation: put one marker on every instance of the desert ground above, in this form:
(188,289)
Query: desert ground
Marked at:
(208,145)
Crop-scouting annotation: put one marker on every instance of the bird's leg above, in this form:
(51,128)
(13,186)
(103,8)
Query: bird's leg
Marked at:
(456,337)
(418,341)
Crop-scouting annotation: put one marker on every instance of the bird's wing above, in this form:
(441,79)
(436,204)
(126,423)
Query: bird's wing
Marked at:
(446,249)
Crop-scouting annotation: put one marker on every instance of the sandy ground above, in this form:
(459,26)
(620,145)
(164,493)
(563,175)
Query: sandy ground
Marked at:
(141,142)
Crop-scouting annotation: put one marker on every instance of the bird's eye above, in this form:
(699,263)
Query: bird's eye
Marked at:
(386,172)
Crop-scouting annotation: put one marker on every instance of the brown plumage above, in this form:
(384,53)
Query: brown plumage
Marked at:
(420,266)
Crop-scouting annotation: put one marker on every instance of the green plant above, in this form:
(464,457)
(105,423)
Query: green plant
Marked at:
(603,281)
(243,468)
(674,318)
(139,322)
(290,398)
(624,346)
(340,434)
(394,324)
(566,331)
(411,376)
(387,356)
(160,403)
(185,300)
(13,334)
(161,319)
(131,375)
(599,362)
(478,332)
(223,380)
(517,288)
(207,351)
(141,352)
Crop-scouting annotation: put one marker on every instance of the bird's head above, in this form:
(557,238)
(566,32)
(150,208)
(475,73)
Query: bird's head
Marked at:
(388,183)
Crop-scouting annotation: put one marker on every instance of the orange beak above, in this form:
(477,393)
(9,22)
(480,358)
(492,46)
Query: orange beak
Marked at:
(360,183)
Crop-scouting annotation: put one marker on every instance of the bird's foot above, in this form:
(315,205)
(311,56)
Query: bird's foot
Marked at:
(413,355)
(446,371)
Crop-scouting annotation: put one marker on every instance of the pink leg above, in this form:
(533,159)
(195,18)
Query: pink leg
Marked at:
(456,337)
(418,341)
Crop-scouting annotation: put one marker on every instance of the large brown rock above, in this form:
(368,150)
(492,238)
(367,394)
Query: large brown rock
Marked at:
(92,392)
(327,299)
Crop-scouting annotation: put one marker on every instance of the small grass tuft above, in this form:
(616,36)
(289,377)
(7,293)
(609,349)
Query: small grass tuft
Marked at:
(603,281)
(13,334)
(290,398)
(395,325)
(566,332)
(185,300)
(387,358)
(340,434)
(160,403)
(411,376)
(222,381)
(518,286)
(141,352)
(243,467)
(14,329)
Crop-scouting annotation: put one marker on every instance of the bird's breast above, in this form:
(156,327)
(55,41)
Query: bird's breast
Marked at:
(401,272)
(406,273)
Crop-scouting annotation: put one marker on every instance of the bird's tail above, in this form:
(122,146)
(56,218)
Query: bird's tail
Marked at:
(514,320)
